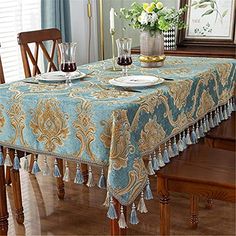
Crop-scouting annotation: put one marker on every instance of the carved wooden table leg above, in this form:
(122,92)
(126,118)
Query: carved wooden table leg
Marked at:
(16,189)
(209,203)
(194,211)
(3,204)
(115,230)
(84,169)
(32,162)
(60,182)
(164,207)
(8,175)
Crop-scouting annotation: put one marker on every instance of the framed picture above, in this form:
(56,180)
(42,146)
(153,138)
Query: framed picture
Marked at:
(209,22)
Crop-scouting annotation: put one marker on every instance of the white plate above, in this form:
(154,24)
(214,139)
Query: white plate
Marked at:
(136,81)
(59,76)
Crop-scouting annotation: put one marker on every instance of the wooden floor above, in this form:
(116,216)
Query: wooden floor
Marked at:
(82,213)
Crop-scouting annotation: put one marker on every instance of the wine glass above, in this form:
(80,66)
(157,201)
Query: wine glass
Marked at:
(68,61)
(124,53)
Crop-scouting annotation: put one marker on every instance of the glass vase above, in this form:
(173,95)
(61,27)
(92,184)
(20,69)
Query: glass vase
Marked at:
(151,49)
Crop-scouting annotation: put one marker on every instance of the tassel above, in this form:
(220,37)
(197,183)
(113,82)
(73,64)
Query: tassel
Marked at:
(79,178)
(66,177)
(175,148)
(46,169)
(148,192)
(155,164)
(218,116)
(35,168)
(26,163)
(184,140)
(122,222)
(211,123)
(16,164)
(229,109)
(197,131)
(201,130)
(1,157)
(111,213)
(141,205)
(8,161)
(160,159)
(165,155)
(106,203)
(216,123)
(204,125)
(193,136)
(225,113)
(150,170)
(133,216)
(102,181)
(188,139)
(170,151)
(56,172)
(180,143)
(90,182)
(207,123)
(221,114)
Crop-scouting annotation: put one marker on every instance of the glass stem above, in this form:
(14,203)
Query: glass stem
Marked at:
(125,71)
(68,79)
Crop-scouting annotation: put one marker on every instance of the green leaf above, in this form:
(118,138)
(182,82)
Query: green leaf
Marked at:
(194,3)
(212,5)
(203,5)
(225,13)
(208,12)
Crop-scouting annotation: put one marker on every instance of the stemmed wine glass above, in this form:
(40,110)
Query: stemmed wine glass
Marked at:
(124,53)
(68,60)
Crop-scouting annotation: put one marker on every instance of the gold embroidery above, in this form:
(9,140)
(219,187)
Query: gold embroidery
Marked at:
(113,93)
(17,119)
(116,136)
(136,178)
(2,119)
(49,123)
(224,71)
(151,135)
(180,91)
(176,71)
(206,103)
(85,129)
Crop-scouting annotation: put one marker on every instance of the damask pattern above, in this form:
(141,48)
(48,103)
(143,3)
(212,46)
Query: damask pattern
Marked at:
(96,123)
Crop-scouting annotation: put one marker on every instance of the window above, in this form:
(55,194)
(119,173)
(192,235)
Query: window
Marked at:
(16,16)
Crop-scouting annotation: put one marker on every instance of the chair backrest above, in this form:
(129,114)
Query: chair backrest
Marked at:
(2,80)
(38,38)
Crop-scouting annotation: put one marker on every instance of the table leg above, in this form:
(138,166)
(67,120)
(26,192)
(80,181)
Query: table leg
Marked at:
(115,230)
(194,211)
(209,203)
(60,182)
(8,175)
(16,189)
(164,207)
(3,204)
(84,169)
(32,162)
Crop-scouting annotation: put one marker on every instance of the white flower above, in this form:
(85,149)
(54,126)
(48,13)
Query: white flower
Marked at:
(144,18)
(153,18)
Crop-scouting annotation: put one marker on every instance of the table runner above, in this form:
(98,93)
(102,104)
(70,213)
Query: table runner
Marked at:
(95,123)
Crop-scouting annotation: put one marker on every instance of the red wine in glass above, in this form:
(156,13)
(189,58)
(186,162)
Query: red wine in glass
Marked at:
(68,67)
(124,61)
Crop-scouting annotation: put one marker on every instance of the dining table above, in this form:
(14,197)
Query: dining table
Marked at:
(129,133)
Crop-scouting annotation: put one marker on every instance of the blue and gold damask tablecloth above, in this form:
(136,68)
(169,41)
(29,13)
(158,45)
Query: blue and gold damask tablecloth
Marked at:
(95,123)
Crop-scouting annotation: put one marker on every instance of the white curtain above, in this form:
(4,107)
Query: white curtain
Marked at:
(16,16)
(80,30)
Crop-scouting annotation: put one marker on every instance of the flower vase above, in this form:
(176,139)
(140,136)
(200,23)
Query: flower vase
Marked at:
(151,49)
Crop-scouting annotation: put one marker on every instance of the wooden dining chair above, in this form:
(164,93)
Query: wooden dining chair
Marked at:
(32,42)
(201,172)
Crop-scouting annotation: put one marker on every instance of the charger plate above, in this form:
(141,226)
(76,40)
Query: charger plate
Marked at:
(133,81)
